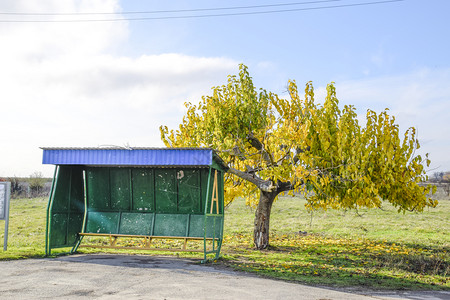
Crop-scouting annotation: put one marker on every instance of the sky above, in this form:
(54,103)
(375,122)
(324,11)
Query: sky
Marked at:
(72,77)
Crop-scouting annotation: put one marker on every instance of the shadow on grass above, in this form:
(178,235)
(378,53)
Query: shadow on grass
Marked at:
(344,266)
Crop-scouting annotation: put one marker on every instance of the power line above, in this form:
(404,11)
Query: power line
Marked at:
(206,15)
(168,11)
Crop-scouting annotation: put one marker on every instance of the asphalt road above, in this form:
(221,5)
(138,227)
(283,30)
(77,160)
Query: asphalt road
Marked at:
(104,276)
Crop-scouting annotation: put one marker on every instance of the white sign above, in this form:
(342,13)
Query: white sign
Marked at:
(3,200)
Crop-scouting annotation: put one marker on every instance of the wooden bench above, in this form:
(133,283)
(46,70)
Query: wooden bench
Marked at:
(146,243)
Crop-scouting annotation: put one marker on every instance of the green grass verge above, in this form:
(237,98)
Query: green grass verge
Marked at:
(26,229)
(378,249)
(371,248)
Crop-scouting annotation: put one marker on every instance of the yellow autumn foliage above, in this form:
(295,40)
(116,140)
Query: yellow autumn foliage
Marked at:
(320,149)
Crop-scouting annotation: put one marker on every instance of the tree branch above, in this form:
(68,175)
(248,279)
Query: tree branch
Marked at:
(254,141)
(260,147)
(299,150)
(284,186)
(263,185)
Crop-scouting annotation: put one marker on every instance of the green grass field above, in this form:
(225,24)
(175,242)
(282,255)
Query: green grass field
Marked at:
(373,248)
(379,249)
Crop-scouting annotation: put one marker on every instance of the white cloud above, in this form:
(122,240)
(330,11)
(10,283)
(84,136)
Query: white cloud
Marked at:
(63,85)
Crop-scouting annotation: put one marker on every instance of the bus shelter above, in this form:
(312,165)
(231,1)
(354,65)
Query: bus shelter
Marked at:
(139,193)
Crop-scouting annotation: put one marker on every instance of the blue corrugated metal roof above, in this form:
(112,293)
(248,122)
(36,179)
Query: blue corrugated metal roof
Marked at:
(130,156)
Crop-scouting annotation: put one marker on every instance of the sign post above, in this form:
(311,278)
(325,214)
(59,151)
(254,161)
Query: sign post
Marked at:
(5,192)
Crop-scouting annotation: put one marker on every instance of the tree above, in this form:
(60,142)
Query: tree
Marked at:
(437,176)
(445,180)
(36,182)
(274,145)
(442,180)
(16,187)
(445,177)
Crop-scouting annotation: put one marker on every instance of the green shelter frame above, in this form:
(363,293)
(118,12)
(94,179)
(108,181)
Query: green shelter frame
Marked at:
(183,199)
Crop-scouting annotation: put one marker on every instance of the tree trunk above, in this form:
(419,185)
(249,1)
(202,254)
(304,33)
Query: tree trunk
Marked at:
(262,219)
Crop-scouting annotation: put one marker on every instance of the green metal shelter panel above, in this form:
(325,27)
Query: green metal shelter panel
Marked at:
(214,226)
(166,190)
(136,223)
(98,190)
(120,182)
(102,222)
(74,227)
(204,185)
(76,190)
(196,226)
(62,190)
(143,186)
(58,225)
(170,225)
(66,207)
(189,191)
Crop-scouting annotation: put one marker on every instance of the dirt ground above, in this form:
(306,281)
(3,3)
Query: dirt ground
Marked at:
(105,276)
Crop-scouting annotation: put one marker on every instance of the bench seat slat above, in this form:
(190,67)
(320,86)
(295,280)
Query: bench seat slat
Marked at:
(143,248)
(145,236)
